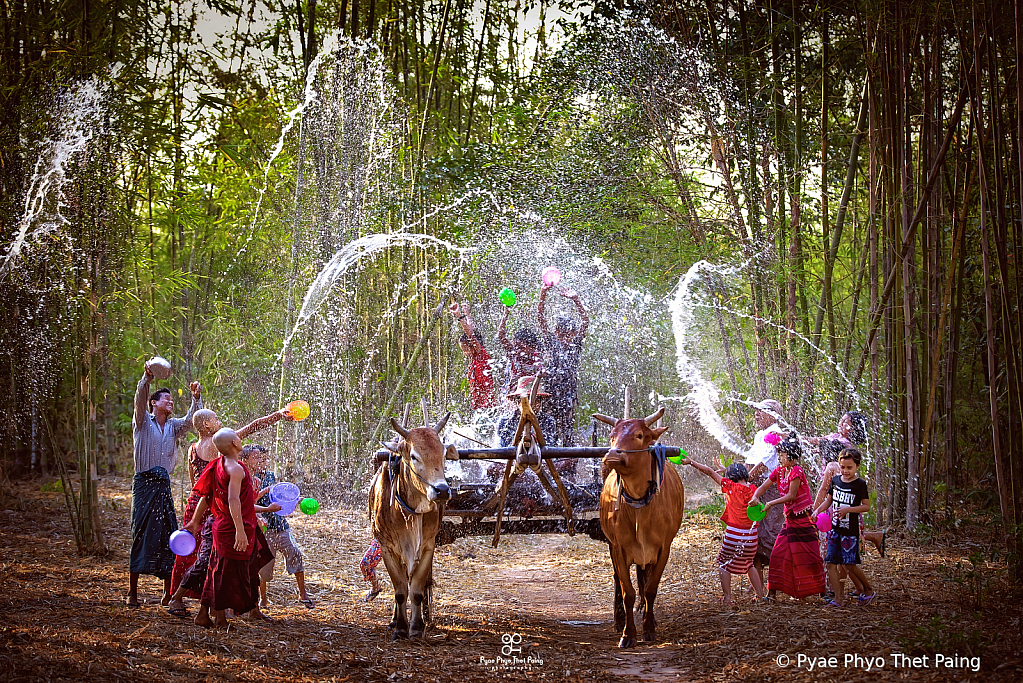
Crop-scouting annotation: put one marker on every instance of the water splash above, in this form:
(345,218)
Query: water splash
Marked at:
(358,252)
(704,394)
(84,112)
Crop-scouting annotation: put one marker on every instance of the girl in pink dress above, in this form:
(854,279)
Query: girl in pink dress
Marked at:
(796,564)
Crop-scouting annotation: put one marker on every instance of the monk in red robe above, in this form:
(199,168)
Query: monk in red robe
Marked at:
(239,547)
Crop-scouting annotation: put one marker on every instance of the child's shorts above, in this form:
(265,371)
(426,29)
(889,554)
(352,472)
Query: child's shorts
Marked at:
(842,549)
(282,542)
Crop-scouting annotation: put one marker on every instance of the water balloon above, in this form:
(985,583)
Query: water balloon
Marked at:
(550,276)
(824,521)
(507,297)
(182,542)
(756,512)
(309,506)
(297,410)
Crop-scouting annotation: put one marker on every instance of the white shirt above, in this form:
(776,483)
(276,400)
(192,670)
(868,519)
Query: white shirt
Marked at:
(762,452)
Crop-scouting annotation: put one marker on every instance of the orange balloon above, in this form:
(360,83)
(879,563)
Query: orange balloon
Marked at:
(297,410)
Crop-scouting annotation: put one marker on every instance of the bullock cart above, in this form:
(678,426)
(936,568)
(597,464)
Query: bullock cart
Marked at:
(516,504)
(568,507)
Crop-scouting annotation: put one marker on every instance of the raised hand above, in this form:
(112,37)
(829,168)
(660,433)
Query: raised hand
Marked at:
(196,390)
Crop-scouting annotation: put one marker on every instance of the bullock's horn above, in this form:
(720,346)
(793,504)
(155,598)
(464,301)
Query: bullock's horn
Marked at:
(534,390)
(606,419)
(426,412)
(443,421)
(651,420)
(398,428)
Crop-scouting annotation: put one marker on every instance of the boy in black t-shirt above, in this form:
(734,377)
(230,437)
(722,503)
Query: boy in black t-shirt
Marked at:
(848,498)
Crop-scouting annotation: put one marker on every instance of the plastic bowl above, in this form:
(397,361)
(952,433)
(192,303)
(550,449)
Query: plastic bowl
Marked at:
(182,542)
(297,410)
(550,276)
(160,367)
(756,512)
(286,495)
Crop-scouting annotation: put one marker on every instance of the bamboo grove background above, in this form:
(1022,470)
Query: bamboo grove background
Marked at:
(871,149)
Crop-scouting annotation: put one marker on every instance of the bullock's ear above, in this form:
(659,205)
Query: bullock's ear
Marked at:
(657,432)
(393,448)
(398,428)
(606,419)
(450,452)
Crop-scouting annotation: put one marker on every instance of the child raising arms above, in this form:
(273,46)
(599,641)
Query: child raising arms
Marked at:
(739,544)
(847,497)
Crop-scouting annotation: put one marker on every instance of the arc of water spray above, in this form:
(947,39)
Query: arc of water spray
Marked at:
(328,47)
(353,252)
(704,394)
(77,129)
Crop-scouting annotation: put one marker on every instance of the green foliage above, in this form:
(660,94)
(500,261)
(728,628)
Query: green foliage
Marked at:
(54,486)
(715,508)
(939,636)
(972,579)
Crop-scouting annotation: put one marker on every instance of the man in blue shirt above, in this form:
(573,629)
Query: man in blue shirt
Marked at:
(155,439)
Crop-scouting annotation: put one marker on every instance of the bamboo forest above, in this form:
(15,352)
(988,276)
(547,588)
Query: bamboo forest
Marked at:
(787,233)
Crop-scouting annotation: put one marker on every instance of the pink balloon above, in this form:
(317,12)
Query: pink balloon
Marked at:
(824,521)
(772,438)
(550,276)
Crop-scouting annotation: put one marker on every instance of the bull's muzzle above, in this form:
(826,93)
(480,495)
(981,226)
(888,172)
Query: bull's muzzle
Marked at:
(439,492)
(614,456)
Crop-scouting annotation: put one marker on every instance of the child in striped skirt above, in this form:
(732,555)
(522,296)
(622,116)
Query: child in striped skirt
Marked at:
(739,544)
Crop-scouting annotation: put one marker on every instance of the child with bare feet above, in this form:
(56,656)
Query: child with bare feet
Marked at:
(190,570)
(239,547)
(739,544)
(278,531)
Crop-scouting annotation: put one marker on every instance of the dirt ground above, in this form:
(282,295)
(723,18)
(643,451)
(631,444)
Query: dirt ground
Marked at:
(63,615)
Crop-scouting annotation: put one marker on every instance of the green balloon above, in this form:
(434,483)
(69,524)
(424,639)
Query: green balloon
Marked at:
(507,297)
(309,506)
(677,459)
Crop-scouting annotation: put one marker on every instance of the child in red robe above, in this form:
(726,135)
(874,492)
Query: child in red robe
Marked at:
(239,547)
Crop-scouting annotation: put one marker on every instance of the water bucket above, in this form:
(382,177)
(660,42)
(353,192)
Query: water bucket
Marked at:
(286,495)
(824,521)
(182,542)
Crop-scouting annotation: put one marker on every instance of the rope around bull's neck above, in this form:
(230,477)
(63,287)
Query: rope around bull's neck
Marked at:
(658,454)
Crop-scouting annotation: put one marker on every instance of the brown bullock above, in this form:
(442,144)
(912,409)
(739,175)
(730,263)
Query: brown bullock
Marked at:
(640,517)
(406,503)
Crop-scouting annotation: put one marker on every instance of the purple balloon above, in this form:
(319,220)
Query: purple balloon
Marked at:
(182,542)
